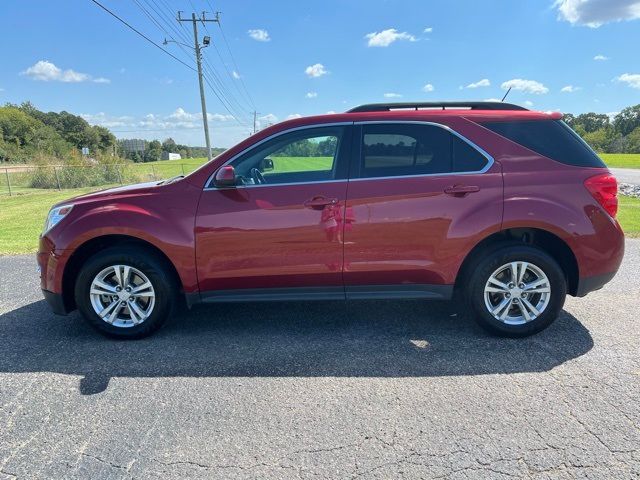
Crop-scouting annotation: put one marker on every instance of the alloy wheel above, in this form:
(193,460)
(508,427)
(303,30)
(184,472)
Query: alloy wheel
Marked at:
(517,293)
(122,296)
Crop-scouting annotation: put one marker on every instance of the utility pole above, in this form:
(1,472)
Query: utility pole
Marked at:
(194,19)
(255,114)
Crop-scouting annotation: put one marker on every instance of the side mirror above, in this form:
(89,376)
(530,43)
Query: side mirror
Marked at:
(225,177)
(266,164)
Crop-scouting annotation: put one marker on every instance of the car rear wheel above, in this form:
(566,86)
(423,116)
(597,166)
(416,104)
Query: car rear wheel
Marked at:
(516,291)
(125,292)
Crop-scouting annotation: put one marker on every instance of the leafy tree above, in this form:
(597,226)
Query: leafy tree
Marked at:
(627,120)
(600,140)
(170,146)
(592,121)
(153,151)
(633,141)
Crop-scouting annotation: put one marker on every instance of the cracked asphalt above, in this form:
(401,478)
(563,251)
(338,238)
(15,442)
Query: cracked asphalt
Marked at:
(321,390)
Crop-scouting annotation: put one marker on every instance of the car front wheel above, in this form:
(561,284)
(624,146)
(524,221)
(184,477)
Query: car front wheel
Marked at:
(125,292)
(516,291)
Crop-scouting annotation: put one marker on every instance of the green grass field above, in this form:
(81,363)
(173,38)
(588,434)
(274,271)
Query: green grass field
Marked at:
(22,218)
(621,160)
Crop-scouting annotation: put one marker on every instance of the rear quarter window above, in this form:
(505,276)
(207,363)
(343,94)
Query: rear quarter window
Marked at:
(552,138)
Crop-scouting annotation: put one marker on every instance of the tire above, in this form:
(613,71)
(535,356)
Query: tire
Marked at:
(483,294)
(143,312)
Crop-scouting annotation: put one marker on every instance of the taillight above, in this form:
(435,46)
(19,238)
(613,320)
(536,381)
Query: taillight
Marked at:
(604,189)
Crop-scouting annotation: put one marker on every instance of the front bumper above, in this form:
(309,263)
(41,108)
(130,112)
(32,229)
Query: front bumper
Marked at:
(56,302)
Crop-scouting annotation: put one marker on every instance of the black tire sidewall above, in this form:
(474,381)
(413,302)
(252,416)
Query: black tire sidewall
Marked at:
(149,264)
(490,263)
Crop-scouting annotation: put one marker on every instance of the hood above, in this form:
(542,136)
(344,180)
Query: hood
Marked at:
(100,194)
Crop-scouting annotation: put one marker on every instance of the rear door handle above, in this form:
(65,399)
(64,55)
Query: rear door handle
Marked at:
(461,190)
(318,203)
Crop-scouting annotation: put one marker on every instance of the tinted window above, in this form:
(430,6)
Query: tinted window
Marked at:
(389,150)
(465,157)
(412,149)
(552,138)
(302,156)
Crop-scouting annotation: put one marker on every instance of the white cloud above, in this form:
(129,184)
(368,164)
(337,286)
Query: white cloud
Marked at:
(600,58)
(311,94)
(594,13)
(45,71)
(293,115)
(269,118)
(392,95)
(428,88)
(631,79)
(331,112)
(492,100)
(235,75)
(259,34)
(527,86)
(387,37)
(428,30)
(528,103)
(316,70)
(570,89)
(480,83)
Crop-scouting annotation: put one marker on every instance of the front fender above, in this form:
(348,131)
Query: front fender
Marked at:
(164,220)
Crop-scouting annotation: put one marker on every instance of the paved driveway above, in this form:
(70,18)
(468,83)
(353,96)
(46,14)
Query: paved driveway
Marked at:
(321,390)
(627,175)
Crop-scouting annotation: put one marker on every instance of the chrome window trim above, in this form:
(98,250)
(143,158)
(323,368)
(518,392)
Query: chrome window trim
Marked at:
(483,152)
(209,181)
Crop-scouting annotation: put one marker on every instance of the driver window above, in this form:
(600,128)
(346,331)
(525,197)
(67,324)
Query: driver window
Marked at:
(307,155)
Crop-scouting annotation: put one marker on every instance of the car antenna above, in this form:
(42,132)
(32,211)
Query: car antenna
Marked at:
(505,95)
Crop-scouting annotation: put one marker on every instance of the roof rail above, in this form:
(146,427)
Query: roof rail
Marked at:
(387,107)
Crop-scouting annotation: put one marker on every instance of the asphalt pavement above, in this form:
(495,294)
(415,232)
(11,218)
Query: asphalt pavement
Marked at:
(375,389)
(627,175)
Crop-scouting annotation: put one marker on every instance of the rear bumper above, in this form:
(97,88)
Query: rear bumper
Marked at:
(56,302)
(590,284)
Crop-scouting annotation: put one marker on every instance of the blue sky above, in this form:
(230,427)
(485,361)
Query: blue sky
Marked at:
(309,57)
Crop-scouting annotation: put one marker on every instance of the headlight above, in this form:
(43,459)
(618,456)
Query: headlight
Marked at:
(55,215)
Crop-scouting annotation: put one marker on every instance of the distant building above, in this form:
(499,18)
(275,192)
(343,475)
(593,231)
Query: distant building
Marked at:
(170,156)
(130,145)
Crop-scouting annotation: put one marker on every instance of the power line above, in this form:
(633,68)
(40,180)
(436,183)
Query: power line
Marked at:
(142,34)
(237,70)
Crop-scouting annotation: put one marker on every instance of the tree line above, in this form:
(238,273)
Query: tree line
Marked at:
(28,134)
(154,149)
(620,134)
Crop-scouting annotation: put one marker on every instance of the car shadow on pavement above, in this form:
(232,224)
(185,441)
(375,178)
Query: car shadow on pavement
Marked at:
(306,339)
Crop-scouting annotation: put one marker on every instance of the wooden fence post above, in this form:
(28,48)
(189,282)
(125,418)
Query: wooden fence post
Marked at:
(6,172)
(55,170)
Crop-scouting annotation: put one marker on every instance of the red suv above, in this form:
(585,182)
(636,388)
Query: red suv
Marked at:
(507,206)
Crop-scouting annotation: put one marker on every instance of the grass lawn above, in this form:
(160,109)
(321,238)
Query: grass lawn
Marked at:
(621,160)
(22,217)
(629,216)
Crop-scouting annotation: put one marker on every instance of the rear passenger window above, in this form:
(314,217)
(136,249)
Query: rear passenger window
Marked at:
(465,157)
(413,149)
(552,138)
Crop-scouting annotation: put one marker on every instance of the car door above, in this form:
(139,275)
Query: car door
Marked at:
(419,198)
(277,233)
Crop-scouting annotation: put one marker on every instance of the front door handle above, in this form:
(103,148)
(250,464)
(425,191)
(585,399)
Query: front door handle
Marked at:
(318,203)
(461,190)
